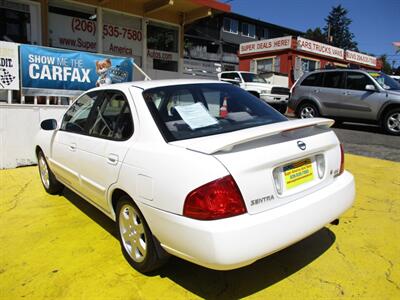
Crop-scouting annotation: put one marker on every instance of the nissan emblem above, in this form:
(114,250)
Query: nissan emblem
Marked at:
(301,145)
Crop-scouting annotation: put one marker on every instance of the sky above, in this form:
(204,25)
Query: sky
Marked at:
(376,23)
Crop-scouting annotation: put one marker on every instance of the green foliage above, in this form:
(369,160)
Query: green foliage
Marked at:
(315,35)
(386,67)
(338,24)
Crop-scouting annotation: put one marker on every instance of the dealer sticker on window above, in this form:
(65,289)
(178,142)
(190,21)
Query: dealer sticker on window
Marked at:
(298,173)
(196,115)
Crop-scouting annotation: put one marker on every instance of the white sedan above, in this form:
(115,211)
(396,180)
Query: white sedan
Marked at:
(198,169)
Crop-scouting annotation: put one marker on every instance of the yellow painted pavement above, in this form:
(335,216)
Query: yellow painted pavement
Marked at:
(60,247)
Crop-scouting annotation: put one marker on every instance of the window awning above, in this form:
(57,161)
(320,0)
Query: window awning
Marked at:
(189,10)
(172,11)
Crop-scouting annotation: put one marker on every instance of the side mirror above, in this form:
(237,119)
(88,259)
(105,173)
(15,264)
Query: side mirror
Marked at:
(370,87)
(49,124)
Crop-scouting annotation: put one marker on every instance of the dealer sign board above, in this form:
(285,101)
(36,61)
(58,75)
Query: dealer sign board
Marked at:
(319,48)
(9,67)
(80,34)
(360,58)
(266,45)
(50,71)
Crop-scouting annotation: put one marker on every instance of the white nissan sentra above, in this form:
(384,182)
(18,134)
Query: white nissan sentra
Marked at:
(198,169)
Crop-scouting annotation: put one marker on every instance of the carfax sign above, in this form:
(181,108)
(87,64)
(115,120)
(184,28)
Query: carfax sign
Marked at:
(49,71)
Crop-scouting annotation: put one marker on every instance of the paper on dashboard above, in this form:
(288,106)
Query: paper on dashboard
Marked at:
(196,115)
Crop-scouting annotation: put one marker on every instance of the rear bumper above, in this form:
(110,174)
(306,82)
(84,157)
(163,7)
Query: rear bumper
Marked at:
(275,98)
(239,241)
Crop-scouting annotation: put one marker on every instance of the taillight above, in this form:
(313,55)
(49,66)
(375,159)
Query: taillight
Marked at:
(341,170)
(218,199)
(278,180)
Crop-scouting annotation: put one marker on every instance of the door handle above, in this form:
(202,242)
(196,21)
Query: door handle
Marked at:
(347,93)
(72,147)
(316,91)
(112,159)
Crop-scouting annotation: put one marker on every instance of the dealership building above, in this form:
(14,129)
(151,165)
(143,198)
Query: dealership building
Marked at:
(50,51)
(293,56)
(150,31)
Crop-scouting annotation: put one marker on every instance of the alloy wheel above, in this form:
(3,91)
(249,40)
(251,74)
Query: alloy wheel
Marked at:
(44,172)
(307,112)
(132,233)
(393,122)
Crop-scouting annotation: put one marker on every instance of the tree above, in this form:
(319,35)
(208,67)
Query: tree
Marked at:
(315,35)
(386,68)
(337,26)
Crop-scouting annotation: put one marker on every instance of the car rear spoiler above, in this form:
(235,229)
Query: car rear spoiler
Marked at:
(225,142)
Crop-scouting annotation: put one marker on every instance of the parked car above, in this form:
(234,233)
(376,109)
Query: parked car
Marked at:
(349,95)
(274,95)
(198,169)
(396,77)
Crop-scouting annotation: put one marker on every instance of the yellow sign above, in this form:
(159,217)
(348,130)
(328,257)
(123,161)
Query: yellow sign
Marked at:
(374,74)
(298,173)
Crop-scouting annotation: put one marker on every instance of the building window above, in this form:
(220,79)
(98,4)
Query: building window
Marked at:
(268,65)
(20,22)
(308,65)
(248,30)
(201,49)
(162,45)
(162,37)
(122,35)
(265,33)
(72,26)
(231,25)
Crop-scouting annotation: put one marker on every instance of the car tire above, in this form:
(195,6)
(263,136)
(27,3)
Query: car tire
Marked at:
(140,248)
(391,121)
(47,177)
(282,108)
(338,122)
(255,94)
(308,110)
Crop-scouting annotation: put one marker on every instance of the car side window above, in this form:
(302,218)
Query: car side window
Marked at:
(333,80)
(112,118)
(313,80)
(227,76)
(233,76)
(77,116)
(357,81)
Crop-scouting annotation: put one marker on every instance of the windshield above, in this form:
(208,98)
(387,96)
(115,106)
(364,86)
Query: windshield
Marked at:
(196,110)
(251,77)
(385,81)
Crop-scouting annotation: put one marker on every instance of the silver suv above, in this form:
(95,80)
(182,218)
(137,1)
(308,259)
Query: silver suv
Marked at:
(349,95)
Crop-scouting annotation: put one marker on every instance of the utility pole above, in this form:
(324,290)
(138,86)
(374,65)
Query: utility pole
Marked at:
(330,38)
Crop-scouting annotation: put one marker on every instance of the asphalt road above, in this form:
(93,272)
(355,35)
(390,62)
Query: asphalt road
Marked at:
(368,140)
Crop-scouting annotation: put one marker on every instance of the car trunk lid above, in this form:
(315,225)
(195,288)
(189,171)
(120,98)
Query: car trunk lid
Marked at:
(254,156)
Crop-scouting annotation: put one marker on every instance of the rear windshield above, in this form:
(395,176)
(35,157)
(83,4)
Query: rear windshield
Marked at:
(195,110)
(251,77)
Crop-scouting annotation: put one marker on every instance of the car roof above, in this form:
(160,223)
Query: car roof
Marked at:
(148,84)
(341,70)
(236,72)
